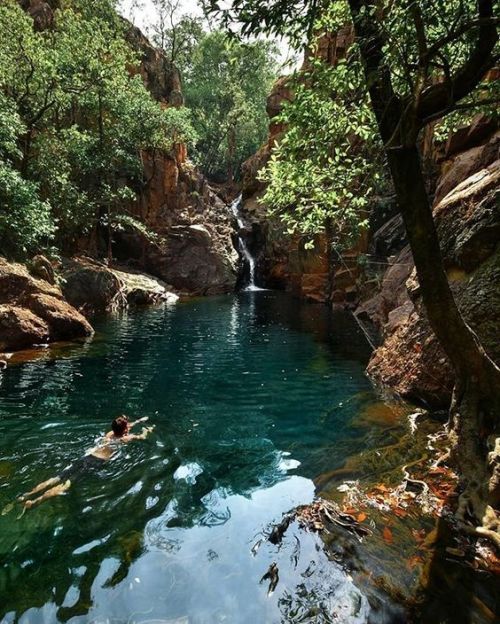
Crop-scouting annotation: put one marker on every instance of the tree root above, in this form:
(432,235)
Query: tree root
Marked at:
(471,508)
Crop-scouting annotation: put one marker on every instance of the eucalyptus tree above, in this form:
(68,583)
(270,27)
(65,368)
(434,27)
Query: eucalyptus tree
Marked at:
(422,60)
(176,33)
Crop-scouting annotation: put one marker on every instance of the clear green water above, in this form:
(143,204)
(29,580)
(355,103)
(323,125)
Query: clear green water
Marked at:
(253,396)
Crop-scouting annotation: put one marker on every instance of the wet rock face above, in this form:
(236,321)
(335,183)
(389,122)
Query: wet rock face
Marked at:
(410,360)
(32,311)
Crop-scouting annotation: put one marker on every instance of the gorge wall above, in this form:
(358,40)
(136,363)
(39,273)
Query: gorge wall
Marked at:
(464,179)
(181,234)
(190,243)
(467,215)
(317,274)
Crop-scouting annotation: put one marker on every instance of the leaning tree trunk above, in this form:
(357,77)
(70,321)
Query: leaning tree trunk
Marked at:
(475,409)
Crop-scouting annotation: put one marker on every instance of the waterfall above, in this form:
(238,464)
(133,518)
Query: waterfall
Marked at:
(245,252)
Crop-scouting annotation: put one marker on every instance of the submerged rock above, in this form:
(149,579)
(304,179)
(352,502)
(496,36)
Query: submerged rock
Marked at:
(32,311)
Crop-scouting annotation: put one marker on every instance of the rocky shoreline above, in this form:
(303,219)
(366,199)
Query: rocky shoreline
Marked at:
(50,304)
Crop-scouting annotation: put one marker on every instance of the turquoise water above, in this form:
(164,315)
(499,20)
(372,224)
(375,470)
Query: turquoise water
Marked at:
(253,396)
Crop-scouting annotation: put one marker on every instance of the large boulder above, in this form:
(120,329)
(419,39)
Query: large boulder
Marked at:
(32,311)
(20,328)
(92,286)
(191,261)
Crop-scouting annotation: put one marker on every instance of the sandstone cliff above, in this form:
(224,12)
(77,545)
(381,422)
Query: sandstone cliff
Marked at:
(467,215)
(33,311)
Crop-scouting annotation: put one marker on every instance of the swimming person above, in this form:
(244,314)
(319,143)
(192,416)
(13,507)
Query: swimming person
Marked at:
(93,458)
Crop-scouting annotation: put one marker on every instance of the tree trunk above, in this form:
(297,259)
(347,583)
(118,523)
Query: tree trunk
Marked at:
(475,410)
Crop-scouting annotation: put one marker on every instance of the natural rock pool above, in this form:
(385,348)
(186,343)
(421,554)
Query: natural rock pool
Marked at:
(253,397)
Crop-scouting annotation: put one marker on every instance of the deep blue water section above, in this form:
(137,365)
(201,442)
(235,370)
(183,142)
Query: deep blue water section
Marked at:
(252,395)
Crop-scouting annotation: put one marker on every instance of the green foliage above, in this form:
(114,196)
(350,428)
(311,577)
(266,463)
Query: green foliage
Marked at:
(325,166)
(324,169)
(226,89)
(25,220)
(74,119)
(178,35)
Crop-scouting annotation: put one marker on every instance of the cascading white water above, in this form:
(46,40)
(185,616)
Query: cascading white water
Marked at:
(236,210)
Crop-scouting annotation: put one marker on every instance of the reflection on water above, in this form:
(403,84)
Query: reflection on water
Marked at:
(252,397)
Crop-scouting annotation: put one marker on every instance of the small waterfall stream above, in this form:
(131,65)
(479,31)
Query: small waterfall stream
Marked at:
(248,257)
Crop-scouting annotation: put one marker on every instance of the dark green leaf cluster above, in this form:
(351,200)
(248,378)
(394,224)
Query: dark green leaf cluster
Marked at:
(325,167)
(75,118)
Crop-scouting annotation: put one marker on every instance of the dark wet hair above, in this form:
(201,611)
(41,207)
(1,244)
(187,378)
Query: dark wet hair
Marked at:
(119,425)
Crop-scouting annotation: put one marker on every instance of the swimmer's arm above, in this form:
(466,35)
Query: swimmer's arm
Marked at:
(138,436)
(139,420)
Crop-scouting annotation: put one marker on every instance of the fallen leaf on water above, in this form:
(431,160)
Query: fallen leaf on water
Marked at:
(361,517)
(414,561)
(387,535)
(400,512)
(418,534)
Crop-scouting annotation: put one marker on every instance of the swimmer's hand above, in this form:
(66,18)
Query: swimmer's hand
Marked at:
(146,431)
(138,436)
(140,420)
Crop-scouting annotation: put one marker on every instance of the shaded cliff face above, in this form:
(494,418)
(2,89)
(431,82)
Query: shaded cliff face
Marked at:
(467,215)
(283,262)
(192,248)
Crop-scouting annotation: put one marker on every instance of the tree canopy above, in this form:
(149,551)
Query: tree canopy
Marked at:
(226,90)
(74,119)
(225,84)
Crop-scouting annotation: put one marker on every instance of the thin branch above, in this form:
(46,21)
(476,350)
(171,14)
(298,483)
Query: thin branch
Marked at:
(437,98)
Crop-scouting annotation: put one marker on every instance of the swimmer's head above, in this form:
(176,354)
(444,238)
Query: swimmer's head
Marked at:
(120,426)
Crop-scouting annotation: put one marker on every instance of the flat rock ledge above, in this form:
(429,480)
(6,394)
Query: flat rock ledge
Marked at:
(36,311)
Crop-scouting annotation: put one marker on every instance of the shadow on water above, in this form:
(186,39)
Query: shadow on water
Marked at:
(452,591)
(417,560)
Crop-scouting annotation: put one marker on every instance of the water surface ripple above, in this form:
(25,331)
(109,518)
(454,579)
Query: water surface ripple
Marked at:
(253,396)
